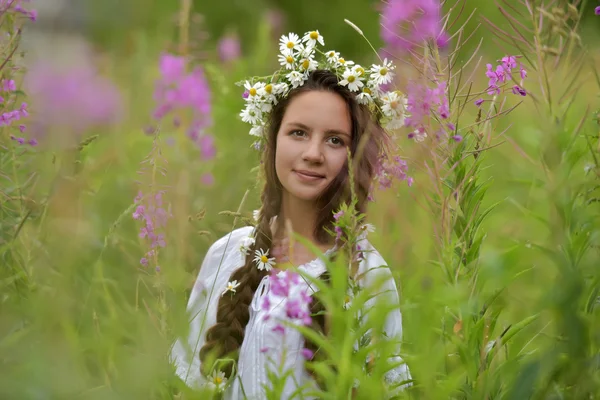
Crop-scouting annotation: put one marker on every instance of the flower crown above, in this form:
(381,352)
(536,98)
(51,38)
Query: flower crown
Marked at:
(298,58)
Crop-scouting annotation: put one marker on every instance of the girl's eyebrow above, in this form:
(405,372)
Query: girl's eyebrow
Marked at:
(306,128)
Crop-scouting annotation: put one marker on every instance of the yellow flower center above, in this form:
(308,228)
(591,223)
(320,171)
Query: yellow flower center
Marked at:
(314,35)
(290,45)
(342,61)
(252,92)
(305,64)
(263,259)
(331,54)
(269,88)
(383,71)
(218,380)
(347,299)
(289,59)
(360,71)
(394,104)
(367,90)
(351,78)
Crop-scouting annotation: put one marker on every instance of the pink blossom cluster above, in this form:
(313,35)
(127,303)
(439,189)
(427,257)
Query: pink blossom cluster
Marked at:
(386,171)
(424,103)
(7,118)
(17,6)
(178,91)
(72,99)
(405,24)
(503,73)
(229,48)
(151,212)
(286,289)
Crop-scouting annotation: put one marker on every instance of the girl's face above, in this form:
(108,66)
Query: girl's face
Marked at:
(311,144)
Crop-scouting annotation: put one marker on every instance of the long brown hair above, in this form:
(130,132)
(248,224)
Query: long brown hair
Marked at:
(225,338)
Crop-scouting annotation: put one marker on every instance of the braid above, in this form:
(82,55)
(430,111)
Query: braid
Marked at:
(225,338)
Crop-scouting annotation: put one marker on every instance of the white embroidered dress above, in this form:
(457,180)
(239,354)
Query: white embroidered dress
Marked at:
(263,348)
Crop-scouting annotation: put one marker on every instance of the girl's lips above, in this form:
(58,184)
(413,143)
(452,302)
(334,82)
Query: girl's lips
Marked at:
(308,176)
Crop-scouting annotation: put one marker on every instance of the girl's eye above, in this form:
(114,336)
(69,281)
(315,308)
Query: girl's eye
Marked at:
(336,141)
(297,133)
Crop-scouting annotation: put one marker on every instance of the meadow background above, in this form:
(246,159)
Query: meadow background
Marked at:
(81,317)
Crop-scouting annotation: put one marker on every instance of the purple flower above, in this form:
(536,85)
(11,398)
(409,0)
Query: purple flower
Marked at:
(171,67)
(8,85)
(154,217)
(207,147)
(144,261)
(20,140)
(442,40)
(177,91)
(229,48)
(509,62)
(307,353)
(493,89)
(338,232)
(457,138)
(264,349)
(139,212)
(523,72)
(420,19)
(338,215)
(245,94)
(22,128)
(597,10)
(519,90)
(389,169)
(32,142)
(72,99)
(207,179)
(479,102)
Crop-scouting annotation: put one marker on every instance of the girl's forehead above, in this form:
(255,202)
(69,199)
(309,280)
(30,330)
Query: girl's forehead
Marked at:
(319,110)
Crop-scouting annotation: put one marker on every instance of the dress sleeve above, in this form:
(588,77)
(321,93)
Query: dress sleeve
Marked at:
(222,258)
(377,272)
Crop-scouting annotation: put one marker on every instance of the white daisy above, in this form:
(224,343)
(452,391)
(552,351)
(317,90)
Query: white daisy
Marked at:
(348,299)
(395,123)
(364,98)
(289,42)
(263,261)
(257,130)
(368,228)
(280,88)
(287,60)
(251,114)
(296,78)
(256,215)
(267,97)
(253,90)
(311,38)
(342,62)
(332,57)
(246,243)
(352,80)
(305,52)
(419,135)
(394,104)
(218,379)
(307,65)
(231,286)
(359,71)
(382,74)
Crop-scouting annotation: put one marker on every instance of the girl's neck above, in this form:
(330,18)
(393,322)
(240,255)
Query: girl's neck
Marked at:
(298,217)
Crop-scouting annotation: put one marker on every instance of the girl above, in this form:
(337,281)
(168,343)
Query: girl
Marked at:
(309,130)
